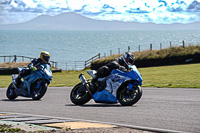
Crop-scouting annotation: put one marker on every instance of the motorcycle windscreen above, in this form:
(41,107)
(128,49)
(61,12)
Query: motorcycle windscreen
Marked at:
(47,67)
(104,97)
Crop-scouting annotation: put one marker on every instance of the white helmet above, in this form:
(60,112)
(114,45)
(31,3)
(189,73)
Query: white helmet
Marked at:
(128,58)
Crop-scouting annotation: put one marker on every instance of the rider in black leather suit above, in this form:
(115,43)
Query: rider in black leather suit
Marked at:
(120,63)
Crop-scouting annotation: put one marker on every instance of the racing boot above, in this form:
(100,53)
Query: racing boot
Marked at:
(93,85)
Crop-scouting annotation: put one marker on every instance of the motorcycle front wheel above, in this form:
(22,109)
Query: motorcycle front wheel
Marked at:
(10,93)
(128,97)
(39,89)
(79,95)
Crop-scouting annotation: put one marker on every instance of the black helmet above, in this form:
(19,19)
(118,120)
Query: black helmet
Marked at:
(128,58)
(45,56)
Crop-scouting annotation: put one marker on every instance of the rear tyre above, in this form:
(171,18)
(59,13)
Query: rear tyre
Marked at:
(128,97)
(10,93)
(79,95)
(39,89)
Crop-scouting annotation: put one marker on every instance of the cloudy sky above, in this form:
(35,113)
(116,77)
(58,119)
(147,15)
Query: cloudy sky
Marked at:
(156,11)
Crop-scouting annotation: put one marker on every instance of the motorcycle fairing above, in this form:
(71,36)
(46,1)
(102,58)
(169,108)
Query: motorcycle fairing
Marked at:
(109,94)
(104,97)
(31,78)
(117,78)
(114,81)
(22,91)
(26,89)
(134,74)
(48,74)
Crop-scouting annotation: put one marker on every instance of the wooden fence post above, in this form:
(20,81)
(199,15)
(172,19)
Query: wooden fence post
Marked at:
(99,55)
(160,46)
(170,44)
(75,65)
(183,44)
(15,58)
(151,47)
(129,48)
(56,64)
(139,48)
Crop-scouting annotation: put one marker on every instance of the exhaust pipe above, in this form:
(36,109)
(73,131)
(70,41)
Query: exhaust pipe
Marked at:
(83,79)
(85,83)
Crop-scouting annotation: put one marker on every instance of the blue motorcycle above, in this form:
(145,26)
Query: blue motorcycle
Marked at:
(34,85)
(122,87)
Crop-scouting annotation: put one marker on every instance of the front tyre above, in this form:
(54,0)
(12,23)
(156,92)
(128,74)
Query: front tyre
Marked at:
(39,89)
(10,93)
(79,95)
(128,97)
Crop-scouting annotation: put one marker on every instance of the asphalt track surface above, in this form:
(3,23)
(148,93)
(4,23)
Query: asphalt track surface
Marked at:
(176,109)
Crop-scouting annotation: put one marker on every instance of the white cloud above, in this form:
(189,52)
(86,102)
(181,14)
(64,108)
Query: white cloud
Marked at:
(75,5)
(157,11)
(14,4)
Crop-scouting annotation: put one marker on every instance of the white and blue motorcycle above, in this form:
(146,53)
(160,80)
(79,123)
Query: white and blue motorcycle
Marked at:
(34,85)
(122,87)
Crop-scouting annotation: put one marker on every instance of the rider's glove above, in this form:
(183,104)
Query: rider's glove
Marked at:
(33,68)
(122,68)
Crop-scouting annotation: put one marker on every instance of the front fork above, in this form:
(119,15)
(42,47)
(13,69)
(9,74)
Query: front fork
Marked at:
(13,80)
(130,87)
(85,83)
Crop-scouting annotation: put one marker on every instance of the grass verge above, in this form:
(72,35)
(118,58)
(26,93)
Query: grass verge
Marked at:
(157,54)
(7,128)
(184,76)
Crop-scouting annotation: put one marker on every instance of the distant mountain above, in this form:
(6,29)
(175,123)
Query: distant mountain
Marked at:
(73,21)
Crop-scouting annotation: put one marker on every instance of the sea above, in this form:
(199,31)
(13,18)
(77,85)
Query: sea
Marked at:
(70,49)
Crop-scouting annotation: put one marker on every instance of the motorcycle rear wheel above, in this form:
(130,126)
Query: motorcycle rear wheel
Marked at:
(79,95)
(128,97)
(38,93)
(10,93)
